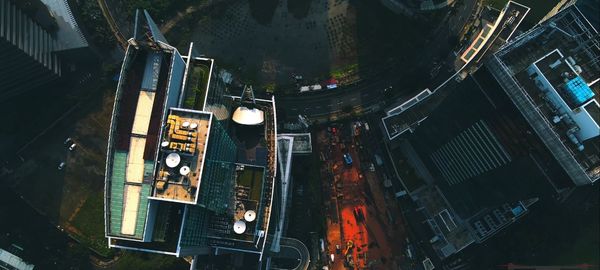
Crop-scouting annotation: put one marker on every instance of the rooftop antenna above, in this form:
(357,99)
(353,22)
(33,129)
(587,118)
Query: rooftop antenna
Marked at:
(247,97)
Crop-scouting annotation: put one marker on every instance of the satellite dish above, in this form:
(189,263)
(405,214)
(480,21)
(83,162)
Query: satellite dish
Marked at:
(239,227)
(250,215)
(185,170)
(173,160)
(246,116)
(164,144)
(185,124)
(193,126)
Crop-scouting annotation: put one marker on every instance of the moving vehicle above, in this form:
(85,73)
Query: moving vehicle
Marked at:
(348,159)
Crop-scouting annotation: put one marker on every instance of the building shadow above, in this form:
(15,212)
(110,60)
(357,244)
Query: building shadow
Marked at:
(263,10)
(299,8)
(391,46)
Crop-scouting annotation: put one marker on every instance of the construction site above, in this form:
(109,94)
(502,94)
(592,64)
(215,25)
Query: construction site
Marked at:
(362,229)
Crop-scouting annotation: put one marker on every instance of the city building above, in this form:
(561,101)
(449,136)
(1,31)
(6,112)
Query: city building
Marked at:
(11,261)
(28,46)
(34,36)
(191,169)
(522,128)
(496,28)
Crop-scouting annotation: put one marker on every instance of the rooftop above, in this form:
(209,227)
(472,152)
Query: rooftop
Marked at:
(302,143)
(181,175)
(182,154)
(11,261)
(484,154)
(540,70)
(133,136)
(443,222)
(247,198)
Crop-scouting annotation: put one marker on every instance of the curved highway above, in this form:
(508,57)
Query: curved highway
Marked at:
(292,248)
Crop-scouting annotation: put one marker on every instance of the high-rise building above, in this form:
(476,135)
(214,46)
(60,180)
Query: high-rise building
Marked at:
(524,127)
(27,50)
(187,174)
(34,36)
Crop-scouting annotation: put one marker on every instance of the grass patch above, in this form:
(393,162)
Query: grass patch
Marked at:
(253,178)
(345,71)
(89,221)
(196,87)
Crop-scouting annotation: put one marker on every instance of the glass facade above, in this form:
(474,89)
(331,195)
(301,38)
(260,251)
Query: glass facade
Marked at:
(219,170)
(218,100)
(194,230)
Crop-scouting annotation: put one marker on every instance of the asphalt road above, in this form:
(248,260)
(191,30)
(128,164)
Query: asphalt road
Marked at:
(370,91)
(294,249)
(333,101)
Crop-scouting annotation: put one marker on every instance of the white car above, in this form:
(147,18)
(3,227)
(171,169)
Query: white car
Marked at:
(72,147)
(61,166)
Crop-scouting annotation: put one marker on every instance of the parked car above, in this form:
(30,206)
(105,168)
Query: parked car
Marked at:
(72,147)
(68,141)
(61,166)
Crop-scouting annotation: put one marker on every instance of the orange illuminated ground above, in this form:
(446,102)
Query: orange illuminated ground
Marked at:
(376,243)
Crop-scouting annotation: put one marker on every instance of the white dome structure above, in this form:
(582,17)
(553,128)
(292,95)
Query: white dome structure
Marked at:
(250,117)
(247,113)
